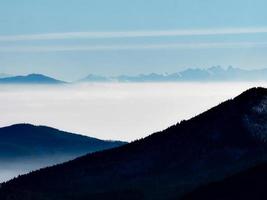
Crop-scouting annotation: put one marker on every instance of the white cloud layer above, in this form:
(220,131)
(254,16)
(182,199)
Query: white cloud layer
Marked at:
(113,111)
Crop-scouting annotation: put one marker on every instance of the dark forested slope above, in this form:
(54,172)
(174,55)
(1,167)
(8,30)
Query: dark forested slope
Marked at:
(24,147)
(247,185)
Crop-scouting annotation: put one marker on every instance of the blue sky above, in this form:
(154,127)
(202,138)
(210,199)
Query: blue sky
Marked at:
(70,39)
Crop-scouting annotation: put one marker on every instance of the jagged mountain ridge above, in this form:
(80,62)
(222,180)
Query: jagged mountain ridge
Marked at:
(215,73)
(212,74)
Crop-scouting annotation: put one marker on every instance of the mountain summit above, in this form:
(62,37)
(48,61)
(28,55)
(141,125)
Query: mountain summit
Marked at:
(29,79)
(218,143)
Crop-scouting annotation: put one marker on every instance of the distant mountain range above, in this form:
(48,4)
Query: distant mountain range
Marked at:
(225,140)
(29,79)
(24,147)
(211,74)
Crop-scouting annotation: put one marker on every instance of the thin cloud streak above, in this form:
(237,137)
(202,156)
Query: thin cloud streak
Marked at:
(178,46)
(131,34)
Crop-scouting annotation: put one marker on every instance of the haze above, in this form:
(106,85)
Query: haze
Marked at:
(113,111)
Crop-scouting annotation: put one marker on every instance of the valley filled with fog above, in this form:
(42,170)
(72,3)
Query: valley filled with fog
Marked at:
(12,168)
(117,111)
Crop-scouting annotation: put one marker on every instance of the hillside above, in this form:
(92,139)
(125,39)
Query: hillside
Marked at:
(24,147)
(247,185)
(218,143)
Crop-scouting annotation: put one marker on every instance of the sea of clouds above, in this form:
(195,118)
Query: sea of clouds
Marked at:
(117,111)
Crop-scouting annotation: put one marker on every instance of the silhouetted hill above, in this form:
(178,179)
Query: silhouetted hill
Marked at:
(39,146)
(215,73)
(29,141)
(29,79)
(247,185)
(222,141)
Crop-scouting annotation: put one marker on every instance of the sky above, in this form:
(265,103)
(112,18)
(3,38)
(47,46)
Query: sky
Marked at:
(73,38)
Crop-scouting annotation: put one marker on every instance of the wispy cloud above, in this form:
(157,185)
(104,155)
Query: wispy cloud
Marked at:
(132,34)
(178,46)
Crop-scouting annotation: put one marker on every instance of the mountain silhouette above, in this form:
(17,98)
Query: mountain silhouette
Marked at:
(216,144)
(30,79)
(40,146)
(215,73)
(247,185)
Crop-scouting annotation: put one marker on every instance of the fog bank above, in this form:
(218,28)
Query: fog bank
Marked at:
(113,110)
